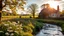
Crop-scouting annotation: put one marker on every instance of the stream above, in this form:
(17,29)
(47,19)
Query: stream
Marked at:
(50,30)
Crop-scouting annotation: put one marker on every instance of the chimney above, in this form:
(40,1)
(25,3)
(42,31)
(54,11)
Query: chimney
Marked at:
(47,5)
(58,8)
(43,6)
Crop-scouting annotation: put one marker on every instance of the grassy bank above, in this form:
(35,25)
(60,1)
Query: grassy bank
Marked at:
(38,23)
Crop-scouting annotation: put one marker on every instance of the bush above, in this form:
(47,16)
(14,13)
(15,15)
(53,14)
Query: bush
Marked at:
(14,29)
(37,27)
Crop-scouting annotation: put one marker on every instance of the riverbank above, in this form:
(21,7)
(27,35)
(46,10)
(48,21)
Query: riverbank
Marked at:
(38,22)
(51,21)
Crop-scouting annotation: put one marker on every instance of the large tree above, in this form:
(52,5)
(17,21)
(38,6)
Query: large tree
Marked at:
(13,4)
(0,9)
(32,9)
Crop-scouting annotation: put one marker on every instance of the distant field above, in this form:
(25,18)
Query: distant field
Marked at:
(12,17)
(9,17)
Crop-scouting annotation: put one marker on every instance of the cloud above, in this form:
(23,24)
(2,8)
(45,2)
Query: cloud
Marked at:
(40,2)
(62,4)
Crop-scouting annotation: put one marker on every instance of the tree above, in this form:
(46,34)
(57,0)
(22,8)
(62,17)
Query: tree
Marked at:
(0,9)
(33,9)
(13,4)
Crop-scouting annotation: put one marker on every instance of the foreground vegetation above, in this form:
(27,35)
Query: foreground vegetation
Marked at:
(24,27)
(38,23)
(15,29)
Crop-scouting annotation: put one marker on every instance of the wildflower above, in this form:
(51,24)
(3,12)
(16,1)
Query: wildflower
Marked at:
(21,28)
(1,31)
(10,31)
(14,23)
(18,28)
(17,25)
(20,25)
(7,33)
(8,21)
(18,21)
(6,24)
(11,34)
(16,31)
(10,27)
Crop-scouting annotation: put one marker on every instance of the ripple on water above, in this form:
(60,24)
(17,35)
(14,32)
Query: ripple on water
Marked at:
(50,30)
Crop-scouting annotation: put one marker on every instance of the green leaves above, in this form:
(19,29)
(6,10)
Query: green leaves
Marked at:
(13,4)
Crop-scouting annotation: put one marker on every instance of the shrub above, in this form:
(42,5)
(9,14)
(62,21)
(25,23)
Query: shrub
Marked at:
(14,29)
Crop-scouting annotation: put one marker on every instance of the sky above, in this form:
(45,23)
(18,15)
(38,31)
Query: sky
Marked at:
(41,2)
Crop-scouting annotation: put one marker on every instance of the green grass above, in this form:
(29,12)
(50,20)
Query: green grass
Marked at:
(38,23)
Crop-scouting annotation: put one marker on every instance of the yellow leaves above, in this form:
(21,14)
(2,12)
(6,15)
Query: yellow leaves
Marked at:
(24,2)
(27,34)
(13,0)
(8,0)
(13,8)
(22,8)
(30,25)
(28,28)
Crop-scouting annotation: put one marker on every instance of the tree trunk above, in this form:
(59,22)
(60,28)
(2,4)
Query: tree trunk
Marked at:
(33,15)
(0,16)
(0,9)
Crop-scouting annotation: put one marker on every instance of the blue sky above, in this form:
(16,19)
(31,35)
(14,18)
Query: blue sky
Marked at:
(40,2)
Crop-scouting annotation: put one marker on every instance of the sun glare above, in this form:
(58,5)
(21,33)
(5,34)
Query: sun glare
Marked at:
(53,4)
